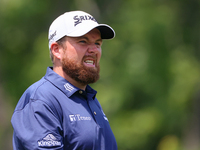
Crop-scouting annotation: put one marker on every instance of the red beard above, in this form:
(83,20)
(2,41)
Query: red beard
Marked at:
(79,72)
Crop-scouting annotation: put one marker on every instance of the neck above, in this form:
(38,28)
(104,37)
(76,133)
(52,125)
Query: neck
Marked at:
(59,71)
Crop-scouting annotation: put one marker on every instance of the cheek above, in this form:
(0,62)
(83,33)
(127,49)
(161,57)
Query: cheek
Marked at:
(78,52)
(99,55)
(74,57)
(73,54)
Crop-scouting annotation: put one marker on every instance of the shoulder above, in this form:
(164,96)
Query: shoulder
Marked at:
(39,95)
(40,90)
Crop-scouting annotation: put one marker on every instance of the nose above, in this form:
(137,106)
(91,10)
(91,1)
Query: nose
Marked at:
(93,48)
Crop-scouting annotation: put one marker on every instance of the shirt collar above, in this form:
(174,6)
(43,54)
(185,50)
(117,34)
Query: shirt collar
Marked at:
(64,85)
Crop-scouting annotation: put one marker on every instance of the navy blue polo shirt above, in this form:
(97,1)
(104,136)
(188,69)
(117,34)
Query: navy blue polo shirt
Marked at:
(54,114)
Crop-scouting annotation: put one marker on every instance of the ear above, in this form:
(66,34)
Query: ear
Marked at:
(56,50)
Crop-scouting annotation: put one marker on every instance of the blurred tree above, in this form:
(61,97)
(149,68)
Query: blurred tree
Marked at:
(149,72)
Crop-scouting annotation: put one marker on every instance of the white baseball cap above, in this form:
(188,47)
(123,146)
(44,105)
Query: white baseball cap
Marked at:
(75,24)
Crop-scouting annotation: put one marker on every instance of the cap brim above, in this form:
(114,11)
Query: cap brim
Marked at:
(106,31)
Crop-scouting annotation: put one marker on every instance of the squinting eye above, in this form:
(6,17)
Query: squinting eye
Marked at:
(97,43)
(82,41)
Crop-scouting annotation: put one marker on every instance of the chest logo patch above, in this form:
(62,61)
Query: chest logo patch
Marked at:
(49,141)
(78,117)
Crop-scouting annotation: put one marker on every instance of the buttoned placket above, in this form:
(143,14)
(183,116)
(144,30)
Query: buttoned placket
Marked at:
(89,100)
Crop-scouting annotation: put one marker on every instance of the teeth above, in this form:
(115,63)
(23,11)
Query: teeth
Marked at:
(89,62)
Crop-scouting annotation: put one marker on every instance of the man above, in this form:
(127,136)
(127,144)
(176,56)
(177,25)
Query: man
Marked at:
(60,111)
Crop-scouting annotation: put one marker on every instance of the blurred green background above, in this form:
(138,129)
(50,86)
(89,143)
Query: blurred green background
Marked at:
(150,84)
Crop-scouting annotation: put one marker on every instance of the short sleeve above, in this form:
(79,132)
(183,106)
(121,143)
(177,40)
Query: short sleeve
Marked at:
(37,126)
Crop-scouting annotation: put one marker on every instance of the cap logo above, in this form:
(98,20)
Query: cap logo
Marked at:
(79,19)
(52,35)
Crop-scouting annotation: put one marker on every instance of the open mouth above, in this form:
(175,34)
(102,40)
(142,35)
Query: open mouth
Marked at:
(89,63)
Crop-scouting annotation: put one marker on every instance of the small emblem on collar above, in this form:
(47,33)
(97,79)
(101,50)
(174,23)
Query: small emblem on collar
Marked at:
(68,87)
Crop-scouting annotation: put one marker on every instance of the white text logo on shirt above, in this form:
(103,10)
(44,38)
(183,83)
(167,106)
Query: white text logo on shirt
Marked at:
(78,117)
(104,116)
(49,141)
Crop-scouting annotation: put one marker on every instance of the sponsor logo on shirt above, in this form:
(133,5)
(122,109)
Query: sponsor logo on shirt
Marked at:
(78,117)
(68,87)
(49,141)
(104,116)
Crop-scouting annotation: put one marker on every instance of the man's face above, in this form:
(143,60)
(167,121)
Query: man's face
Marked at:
(81,57)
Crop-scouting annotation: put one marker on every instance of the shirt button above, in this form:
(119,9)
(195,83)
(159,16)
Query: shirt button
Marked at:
(95,113)
(80,92)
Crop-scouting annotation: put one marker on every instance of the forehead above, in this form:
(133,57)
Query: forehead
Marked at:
(94,31)
(94,34)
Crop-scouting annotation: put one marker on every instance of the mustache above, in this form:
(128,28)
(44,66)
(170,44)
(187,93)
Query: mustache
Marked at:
(90,56)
